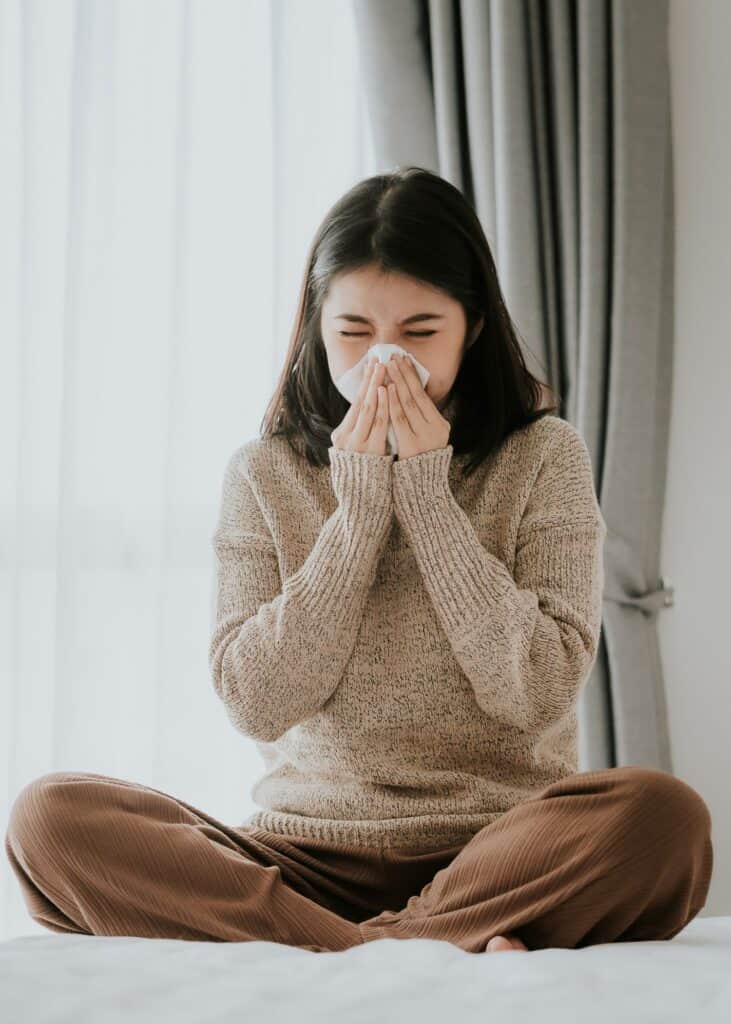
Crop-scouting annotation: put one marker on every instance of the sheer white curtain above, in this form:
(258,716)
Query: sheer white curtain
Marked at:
(163,168)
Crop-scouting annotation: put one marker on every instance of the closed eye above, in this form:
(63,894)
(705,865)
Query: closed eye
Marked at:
(411,334)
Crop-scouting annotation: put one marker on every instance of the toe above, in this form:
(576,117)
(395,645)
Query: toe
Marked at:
(509,941)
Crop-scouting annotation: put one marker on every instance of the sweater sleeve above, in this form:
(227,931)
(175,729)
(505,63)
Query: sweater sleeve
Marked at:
(278,650)
(526,640)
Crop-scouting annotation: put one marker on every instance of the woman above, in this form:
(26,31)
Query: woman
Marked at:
(404,634)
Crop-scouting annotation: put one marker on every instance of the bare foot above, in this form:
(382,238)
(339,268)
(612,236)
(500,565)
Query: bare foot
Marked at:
(498,943)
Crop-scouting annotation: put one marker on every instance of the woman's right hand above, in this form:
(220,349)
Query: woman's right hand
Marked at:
(365,424)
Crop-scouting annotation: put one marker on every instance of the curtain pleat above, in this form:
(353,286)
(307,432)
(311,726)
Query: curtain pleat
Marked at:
(553,119)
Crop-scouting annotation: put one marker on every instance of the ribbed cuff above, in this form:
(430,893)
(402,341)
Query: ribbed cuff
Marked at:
(361,480)
(332,587)
(462,576)
(332,582)
(422,475)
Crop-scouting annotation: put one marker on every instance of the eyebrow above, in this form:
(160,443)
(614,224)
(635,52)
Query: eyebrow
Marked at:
(408,320)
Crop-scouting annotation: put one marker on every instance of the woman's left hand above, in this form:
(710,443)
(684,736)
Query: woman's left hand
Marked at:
(417,423)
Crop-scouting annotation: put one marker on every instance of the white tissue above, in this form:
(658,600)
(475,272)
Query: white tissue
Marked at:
(348,384)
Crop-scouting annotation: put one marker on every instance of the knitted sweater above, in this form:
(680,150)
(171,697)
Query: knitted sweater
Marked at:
(406,648)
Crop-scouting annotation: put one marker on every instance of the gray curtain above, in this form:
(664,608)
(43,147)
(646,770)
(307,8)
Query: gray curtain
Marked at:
(554,120)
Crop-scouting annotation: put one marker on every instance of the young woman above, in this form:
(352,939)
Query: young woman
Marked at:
(404,634)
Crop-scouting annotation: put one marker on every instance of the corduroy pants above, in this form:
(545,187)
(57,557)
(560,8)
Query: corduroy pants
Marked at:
(623,854)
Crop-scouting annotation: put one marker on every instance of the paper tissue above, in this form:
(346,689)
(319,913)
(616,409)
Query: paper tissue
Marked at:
(349,382)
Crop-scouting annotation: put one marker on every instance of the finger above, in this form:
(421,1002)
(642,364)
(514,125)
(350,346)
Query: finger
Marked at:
(401,426)
(371,365)
(412,397)
(352,414)
(380,420)
(413,383)
(368,405)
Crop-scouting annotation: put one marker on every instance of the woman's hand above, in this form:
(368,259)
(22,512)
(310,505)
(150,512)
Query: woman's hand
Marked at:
(365,424)
(417,423)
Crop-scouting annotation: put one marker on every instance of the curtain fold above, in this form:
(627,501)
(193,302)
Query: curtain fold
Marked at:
(554,121)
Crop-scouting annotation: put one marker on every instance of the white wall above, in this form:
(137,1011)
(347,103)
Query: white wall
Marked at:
(695,634)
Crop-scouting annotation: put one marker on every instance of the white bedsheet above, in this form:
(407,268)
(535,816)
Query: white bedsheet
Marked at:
(76,979)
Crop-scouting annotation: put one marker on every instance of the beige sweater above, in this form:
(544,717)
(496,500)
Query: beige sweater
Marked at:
(406,648)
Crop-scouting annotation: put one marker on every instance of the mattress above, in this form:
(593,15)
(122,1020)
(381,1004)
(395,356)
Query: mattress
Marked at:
(79,978)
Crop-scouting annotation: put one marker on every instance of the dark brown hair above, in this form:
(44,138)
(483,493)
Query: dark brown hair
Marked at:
(413,222)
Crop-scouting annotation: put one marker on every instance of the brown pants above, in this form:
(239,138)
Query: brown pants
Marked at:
(622,854)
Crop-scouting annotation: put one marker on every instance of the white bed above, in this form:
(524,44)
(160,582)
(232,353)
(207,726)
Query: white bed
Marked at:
(79,978)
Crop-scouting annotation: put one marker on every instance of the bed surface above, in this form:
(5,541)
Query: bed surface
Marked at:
(80,978)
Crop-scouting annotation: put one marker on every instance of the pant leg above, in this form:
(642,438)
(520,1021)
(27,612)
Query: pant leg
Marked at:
(354,882)
(620,854)
(104,856)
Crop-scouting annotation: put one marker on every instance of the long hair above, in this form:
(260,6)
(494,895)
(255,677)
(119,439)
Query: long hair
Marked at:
(413,222)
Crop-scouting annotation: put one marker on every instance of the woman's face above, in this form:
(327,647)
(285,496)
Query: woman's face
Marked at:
(368,307)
